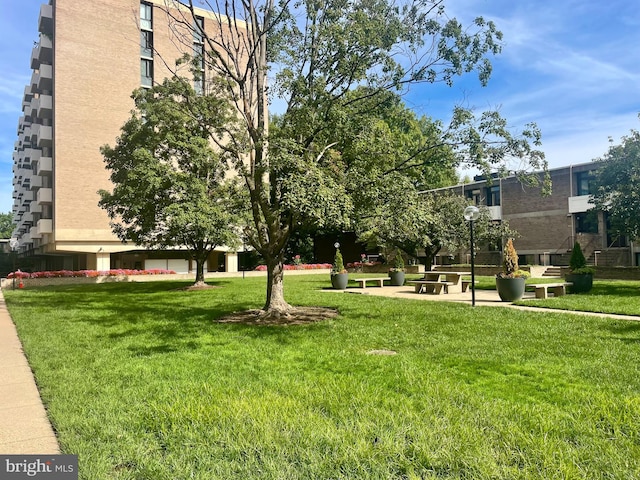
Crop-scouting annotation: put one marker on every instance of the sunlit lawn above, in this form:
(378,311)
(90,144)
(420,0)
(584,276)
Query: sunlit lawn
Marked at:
(142,383)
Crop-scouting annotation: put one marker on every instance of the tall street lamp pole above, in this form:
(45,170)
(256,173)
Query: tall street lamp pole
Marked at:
(471,214)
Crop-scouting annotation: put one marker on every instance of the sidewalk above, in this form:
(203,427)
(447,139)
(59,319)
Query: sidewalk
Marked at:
(24,426)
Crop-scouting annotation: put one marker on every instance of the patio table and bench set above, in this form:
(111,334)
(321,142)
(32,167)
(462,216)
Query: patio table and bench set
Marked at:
(437,283)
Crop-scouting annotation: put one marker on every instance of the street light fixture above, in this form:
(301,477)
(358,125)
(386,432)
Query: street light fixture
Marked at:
(471,214)
(13,243)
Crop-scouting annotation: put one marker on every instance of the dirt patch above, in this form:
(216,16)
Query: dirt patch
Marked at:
(381,352)
(296,316)
(194,288)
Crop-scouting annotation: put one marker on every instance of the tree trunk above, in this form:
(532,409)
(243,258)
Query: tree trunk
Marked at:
(276,304)
(199,271)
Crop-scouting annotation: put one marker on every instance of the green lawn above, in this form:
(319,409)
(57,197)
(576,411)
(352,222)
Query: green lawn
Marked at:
(142,383)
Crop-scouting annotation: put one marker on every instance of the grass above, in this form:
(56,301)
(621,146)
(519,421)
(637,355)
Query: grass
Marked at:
(142,383)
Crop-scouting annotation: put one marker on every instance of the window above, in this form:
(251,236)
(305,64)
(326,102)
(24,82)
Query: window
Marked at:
(146,16)
(493,196)
(587,222)
(198,30)
(614,235)
(146,72)
(585,183)
(475,196)
(198,55)
(146,43)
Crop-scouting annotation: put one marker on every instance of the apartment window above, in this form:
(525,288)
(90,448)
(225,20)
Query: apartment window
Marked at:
(146,72)
(198,55)
(585,183)
(146,43)
(198,30)
(146,16)
(587,222)
(475,196)
(493,196)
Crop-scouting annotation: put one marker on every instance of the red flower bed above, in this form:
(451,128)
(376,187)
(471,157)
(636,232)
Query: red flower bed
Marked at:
(302,266)
(88,273)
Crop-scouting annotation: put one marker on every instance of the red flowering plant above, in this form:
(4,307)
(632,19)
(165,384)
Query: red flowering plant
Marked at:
(88,273)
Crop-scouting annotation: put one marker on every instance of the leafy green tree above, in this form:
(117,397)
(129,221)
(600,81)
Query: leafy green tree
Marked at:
(431,222)
(6,225)
(317,53)
(618,186)
(169,187)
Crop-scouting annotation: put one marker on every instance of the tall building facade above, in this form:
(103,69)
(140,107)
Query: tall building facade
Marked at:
(548,226)
(90,57)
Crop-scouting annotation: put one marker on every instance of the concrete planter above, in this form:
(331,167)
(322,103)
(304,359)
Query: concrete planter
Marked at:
(582,283)
(339,280)
(397,278)
(510,289)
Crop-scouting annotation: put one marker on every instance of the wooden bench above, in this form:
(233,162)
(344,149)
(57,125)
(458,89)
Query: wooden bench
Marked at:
(378,280)
(430,286)
(542,289)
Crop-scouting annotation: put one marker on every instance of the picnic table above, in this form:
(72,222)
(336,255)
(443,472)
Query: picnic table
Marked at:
(542,289)
(441,282)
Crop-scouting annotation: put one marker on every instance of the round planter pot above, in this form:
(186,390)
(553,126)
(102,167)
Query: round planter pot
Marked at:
(510,289)
(339,280)
(582,283)
(397,278)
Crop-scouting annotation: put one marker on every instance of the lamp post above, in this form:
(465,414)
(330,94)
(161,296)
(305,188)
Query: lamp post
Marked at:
(471,214)
(13,243)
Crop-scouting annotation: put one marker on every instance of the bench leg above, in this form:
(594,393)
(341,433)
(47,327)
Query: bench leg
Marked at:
(541,292)
(437,289)
(418,288)
(558,291)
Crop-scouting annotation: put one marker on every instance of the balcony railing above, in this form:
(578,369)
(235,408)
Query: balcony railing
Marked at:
(44,196)
(45,21)
(45,78)
(45,225)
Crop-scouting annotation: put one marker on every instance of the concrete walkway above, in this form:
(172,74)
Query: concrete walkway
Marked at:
(24,426)
(484,298)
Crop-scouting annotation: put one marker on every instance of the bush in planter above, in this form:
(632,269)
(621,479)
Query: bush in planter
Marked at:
(580,275)
(397,271)
(510,283)
(339,275)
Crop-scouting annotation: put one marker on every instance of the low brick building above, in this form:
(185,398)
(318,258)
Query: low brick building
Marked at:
(549,225)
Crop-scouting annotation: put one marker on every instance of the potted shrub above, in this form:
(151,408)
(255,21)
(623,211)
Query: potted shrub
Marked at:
(580,275)
(397,271)
(510,283)
(339,275)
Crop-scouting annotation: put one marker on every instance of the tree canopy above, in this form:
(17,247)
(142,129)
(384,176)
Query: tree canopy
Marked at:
(326,60)
(6,225)
(169,188)
(618,186)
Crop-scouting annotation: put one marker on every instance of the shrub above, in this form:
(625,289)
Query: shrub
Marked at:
(577,262)
(510,266)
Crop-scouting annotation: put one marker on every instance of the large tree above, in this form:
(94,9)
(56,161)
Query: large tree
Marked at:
(618,185)
(429,222)
(317,52)
(6,225)
(169,182)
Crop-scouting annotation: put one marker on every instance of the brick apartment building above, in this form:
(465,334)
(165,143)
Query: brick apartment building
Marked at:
(90,57)
(549,225)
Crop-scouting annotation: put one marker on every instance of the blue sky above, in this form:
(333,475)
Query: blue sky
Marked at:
(571,66)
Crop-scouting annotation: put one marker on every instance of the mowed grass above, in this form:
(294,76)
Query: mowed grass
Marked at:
(142,383)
